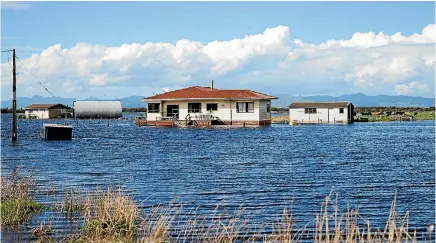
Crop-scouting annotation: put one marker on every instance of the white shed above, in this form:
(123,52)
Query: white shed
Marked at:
(45,111)
(321,112)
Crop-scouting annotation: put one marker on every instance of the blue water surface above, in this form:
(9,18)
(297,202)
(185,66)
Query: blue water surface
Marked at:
(262,169)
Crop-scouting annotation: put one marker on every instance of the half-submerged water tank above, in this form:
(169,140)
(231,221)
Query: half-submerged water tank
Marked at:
(97,109)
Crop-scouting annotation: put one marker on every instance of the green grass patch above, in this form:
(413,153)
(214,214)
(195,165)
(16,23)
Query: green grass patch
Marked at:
(19,210)
(426,115)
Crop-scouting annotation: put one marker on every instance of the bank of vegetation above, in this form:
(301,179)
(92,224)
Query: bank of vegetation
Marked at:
(112,215)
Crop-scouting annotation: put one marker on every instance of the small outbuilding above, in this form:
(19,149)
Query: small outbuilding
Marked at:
(45,111)
(97,109)
(321,112)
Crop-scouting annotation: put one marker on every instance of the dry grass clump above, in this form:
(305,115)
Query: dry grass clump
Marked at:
(170,224)
(333,226)
(73,203)
(329,225)
(113,216)
(44,232)
(282,119)
(109,215)
(17,204)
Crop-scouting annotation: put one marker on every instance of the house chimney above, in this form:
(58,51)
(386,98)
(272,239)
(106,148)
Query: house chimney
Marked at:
(211,85)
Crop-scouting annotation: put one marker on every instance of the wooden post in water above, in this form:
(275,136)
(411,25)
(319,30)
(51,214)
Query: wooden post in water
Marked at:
(14,98)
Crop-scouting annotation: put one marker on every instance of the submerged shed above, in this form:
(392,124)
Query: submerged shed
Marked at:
(97,109)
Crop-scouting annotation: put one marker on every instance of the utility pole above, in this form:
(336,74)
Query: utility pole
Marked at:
(14,99)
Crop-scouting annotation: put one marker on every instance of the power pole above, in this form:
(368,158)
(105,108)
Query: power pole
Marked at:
(14,99)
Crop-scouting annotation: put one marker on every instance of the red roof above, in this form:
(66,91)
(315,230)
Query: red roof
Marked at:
(197,92)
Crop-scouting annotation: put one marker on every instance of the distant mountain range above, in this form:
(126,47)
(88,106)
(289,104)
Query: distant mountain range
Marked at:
(359,99)
(128,102)
(283,100)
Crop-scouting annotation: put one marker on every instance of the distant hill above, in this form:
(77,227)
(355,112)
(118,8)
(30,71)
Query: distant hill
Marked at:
(128,102)
(359,99)
(284,100)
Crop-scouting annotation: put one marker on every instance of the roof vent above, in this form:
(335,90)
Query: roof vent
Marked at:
(211,84)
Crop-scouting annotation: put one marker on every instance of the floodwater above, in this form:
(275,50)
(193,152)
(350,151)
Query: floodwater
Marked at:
(261,169)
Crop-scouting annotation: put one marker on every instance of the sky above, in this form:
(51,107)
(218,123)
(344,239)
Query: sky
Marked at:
(119,49)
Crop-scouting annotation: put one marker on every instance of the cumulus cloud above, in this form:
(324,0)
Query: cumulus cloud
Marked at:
(271,61)
(411,88)
(14,5)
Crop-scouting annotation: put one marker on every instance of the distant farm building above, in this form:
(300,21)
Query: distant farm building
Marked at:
(321,112)
(45,111)
(202,106)
(97,109)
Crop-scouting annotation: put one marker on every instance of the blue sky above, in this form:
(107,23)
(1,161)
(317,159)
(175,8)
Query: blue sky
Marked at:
(33,27)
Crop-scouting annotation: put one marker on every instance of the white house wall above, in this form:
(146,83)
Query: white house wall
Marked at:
(224,112)
(322,115)
(39,113)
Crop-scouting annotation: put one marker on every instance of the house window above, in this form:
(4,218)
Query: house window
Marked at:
(212,107)
(194,107)
(245,107)
(268,108)
(153,108)
(341,110)
(309,110)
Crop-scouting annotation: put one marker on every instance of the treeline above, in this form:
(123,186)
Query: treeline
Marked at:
(279,109)
(21,110)
(393,109)
(285,109)
(141,109)
(375,109)
(9,110)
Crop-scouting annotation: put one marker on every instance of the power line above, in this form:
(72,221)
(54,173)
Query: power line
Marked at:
(31,74)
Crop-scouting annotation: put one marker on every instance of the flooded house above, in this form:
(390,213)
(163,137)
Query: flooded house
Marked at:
(45,111)
(207,106)
(321,112)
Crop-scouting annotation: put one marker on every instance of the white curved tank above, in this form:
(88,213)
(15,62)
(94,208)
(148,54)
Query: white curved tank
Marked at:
(97,109)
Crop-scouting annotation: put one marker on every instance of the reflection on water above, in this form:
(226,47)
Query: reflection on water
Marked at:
(263,169)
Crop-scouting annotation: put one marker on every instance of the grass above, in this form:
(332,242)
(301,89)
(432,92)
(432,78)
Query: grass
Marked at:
(329,225)
(426,115)
(282,119)
(113,216)
(17,204)
(109,215)
(44,232)
(72,204)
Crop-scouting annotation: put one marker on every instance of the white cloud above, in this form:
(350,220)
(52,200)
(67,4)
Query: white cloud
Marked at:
(411,88)
(374,63)
(14,5)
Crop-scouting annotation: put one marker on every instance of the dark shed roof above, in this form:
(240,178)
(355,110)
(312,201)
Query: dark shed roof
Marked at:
(338,104)
(46,106)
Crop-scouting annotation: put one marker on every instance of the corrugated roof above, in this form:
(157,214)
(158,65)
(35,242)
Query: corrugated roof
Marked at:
(45,106)
(336,104)
(197,92)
